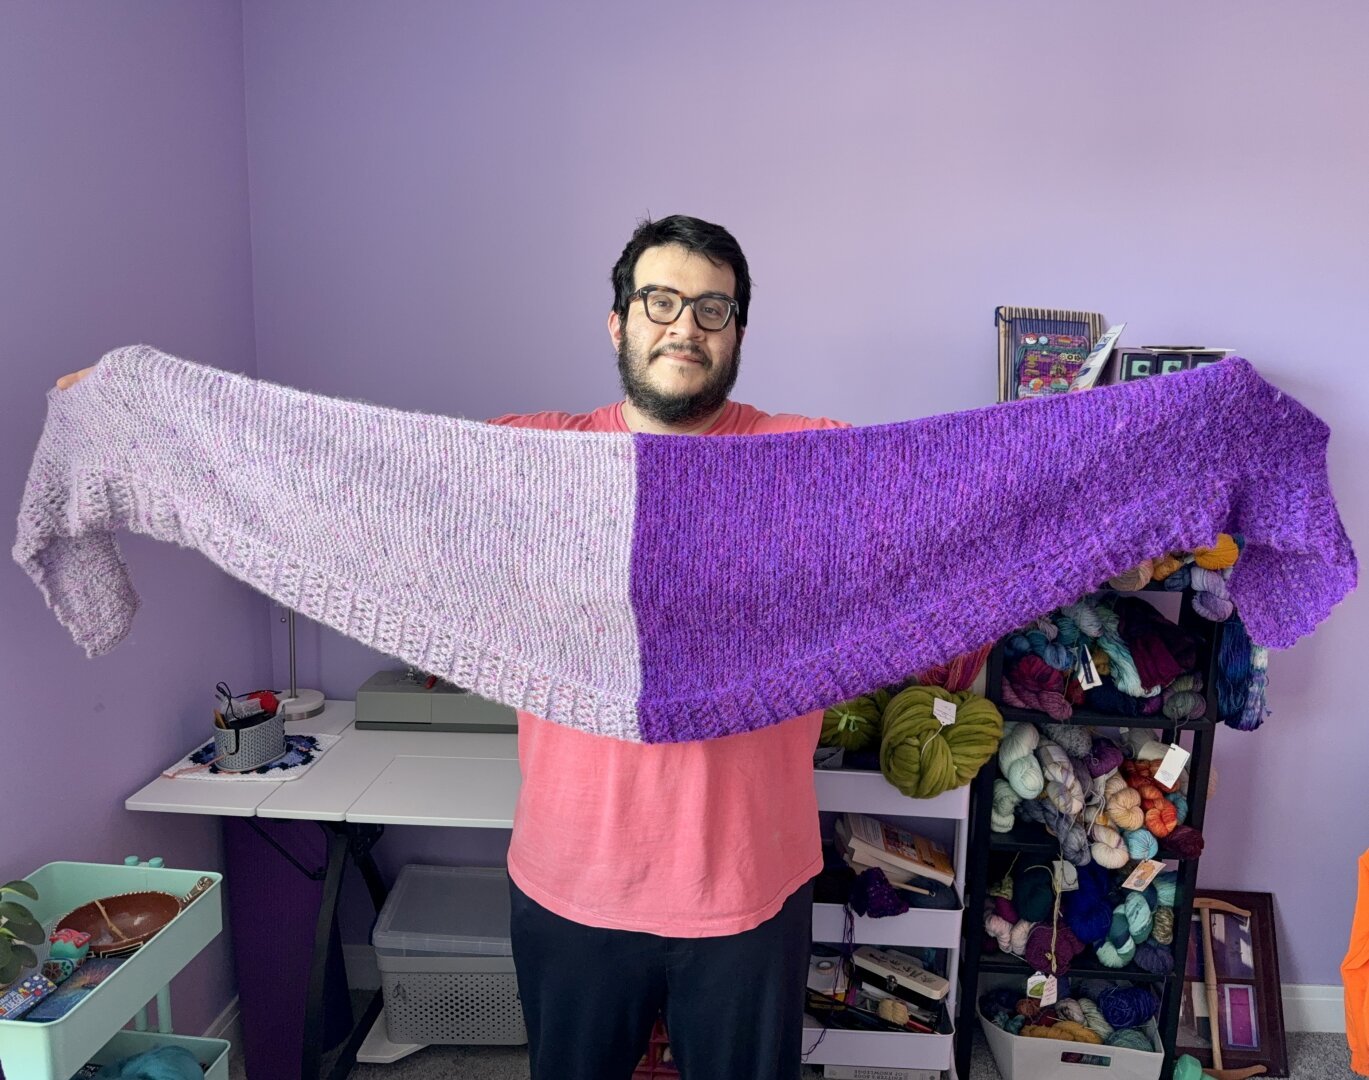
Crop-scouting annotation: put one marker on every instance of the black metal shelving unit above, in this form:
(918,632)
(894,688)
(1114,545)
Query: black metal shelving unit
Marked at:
(1032,838)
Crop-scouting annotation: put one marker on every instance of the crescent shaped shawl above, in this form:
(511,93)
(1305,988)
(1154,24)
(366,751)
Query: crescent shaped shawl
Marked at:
(662,588)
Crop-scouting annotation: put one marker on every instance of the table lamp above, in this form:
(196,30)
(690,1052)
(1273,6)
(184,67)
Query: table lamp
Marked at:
(298,704)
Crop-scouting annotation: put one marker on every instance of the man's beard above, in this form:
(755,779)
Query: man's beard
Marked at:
(675,408)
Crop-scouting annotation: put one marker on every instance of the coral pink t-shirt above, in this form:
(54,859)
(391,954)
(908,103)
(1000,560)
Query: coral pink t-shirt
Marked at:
(694,839)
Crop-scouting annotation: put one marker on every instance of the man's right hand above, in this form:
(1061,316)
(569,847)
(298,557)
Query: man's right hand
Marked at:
(66,382)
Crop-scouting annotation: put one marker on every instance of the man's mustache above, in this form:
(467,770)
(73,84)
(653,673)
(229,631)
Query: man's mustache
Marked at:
(683,349)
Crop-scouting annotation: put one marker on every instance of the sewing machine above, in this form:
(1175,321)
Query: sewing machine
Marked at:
(398,700)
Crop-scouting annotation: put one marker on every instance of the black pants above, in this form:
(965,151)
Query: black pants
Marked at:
(733,1006)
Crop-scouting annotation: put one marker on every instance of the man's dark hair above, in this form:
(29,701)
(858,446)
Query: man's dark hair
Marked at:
(712,241)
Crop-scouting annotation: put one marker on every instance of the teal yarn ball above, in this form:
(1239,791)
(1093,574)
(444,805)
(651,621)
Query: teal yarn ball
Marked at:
(1033,895)
(1130,1039)
(1141,843)
(1139,917)
(1167,888)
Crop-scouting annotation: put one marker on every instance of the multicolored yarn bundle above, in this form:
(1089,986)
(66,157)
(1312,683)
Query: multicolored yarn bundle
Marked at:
(1099,1013)
(1123,926)
(1242,680)
(1147,663)
(1097,796)
(1205,570)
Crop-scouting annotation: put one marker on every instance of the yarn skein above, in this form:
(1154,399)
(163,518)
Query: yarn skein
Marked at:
(855,724)
(1017,759)
(923,757)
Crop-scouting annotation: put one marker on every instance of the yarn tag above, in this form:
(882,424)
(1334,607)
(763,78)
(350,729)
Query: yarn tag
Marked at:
(1167,775)
(1088,670)
(1147,870)
(1066,876)
(944,711)
(1043,987)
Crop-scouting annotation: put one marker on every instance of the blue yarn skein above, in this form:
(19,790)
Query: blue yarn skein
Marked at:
(1233,672)
(1127,1006)
(1107,698)
(1087,911)
(1153,957)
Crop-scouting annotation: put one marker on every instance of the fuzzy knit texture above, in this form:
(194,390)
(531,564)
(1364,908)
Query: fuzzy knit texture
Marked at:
(664,589)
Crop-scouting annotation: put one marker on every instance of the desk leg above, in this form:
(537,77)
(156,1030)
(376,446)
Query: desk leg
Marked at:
(344,839)
(361,854)
(312,1049)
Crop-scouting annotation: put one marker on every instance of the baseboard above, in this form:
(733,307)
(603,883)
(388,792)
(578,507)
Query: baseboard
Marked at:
(363,973)
(227,1025)
(1305,1008)
(1314,1008)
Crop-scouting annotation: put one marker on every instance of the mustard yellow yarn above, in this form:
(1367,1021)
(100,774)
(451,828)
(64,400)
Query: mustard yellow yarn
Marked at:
(1220,556)
(1068,1030)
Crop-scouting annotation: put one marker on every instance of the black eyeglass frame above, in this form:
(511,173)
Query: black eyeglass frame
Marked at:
(733,308)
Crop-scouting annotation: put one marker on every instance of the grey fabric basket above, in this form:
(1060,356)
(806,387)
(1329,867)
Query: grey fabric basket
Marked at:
(248,748)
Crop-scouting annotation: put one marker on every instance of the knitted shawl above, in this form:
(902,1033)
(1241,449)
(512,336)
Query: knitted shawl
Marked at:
(665,589)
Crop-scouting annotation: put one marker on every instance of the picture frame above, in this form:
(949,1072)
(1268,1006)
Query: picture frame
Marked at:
(1016,325)
(1249,996)
(1135,365)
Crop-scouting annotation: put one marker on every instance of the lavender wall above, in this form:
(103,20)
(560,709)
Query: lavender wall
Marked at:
(413,170)
(894,170)
(123,218)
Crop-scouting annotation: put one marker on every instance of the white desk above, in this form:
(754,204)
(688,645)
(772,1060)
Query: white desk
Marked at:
(437,778)
(367,780)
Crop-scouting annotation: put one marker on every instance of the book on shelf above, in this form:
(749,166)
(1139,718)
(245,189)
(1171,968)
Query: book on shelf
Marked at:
(878,1072)
(879,843)
(903,880)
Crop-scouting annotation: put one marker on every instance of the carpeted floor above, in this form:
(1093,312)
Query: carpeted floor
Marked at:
(1312,1056)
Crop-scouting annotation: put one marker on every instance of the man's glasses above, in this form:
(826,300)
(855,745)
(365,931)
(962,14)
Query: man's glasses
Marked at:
(712,311)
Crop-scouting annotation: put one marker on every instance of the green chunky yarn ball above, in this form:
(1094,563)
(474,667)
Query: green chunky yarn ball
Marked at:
(922,757)
(855,724)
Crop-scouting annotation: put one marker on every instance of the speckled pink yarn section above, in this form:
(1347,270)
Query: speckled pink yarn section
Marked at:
(496,557)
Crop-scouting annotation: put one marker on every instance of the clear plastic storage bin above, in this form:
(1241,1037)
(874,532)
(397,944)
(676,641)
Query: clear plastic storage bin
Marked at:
(446,962)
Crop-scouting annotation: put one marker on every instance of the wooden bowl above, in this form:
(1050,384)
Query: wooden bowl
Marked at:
(119,924)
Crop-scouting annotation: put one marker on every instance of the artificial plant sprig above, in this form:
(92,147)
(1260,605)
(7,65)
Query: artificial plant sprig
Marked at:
(18,930)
